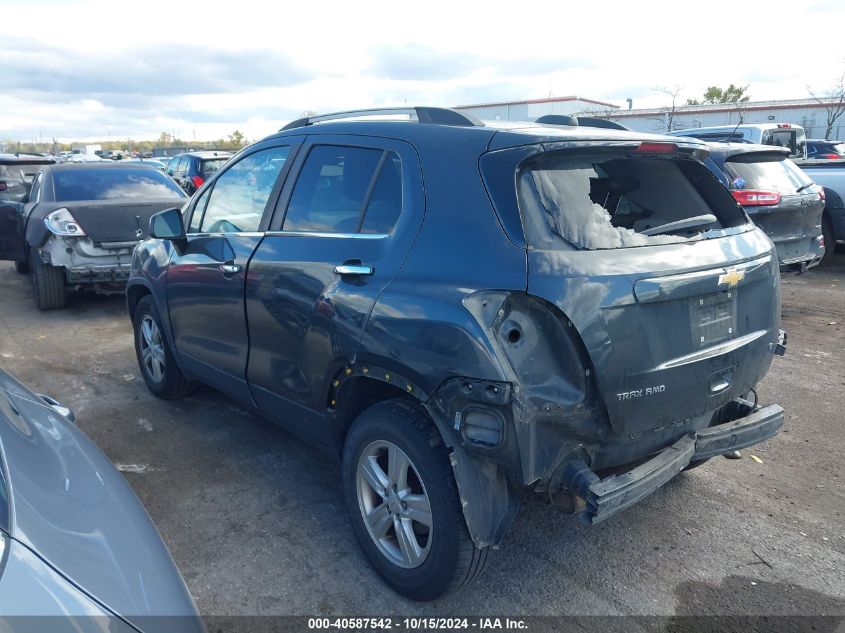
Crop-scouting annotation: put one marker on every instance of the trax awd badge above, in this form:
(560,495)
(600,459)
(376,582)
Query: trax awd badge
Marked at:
(731,277)
(639,393)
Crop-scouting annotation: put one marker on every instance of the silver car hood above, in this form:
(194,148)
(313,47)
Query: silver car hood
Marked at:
(70,506)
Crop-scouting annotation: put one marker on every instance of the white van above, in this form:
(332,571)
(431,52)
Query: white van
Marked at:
(779,134)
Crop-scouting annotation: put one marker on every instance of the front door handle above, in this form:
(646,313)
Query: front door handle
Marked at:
(354,269)
(229,269)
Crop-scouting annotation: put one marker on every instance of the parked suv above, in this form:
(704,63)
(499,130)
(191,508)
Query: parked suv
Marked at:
(460,311)
(192,169)
(779,197)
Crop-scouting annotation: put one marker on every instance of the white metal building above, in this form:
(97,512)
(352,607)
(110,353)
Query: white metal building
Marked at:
(530,109)
(805,112)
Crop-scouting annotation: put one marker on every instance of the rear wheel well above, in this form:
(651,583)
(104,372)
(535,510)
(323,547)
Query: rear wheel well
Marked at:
(133,297)
(356,395)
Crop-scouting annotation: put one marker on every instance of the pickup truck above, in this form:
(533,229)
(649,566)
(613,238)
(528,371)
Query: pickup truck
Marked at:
(830,175)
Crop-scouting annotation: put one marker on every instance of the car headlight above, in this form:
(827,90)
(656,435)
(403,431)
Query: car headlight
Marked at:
(61,222)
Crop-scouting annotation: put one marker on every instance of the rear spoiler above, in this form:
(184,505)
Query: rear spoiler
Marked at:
(580,121)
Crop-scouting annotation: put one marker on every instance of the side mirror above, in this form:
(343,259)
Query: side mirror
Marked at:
(167,225)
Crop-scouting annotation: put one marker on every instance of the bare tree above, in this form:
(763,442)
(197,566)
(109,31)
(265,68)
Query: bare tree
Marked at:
(668,113)
(833,101)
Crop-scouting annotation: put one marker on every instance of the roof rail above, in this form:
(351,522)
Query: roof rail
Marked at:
(440,116)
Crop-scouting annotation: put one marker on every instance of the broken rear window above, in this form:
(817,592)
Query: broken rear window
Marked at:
(616,200)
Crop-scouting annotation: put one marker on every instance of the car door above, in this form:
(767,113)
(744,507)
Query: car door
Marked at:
(205,281)
(13,213)
(342,229)
(177,170)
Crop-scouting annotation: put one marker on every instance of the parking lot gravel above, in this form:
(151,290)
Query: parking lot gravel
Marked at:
(255,520)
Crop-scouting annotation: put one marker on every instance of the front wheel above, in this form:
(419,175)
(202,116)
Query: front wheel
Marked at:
(155,358)
(403,503)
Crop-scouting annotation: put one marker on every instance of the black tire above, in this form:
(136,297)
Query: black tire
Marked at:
(22,268)
(48,284)
(452,560)
(171,383)
(829,239)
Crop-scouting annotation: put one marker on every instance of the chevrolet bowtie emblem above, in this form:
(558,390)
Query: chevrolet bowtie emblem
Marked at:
(731,277)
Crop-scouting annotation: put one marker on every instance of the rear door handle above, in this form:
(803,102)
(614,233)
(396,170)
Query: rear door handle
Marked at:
(354,269)
(229,269)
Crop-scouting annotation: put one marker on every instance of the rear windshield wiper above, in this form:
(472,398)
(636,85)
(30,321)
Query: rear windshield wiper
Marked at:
(802,187)
(694,222)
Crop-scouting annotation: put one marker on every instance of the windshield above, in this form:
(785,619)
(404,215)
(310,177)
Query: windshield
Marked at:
(768,173)
(613,200)
(210,166)
(109,184)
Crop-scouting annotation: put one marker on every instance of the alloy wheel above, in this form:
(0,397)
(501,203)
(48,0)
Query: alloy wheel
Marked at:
(152,349)
(394,504)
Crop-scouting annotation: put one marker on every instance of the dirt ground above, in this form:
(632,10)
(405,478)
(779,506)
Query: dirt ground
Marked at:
(255,521)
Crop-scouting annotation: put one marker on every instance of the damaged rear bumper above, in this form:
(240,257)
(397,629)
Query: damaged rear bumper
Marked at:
(99,274)
(605,497)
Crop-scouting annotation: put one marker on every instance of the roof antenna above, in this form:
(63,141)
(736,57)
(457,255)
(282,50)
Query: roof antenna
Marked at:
(739,112)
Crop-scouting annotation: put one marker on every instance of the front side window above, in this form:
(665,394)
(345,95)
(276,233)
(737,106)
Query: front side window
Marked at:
(237,200)
(346,190)
(615,200)
(199,209)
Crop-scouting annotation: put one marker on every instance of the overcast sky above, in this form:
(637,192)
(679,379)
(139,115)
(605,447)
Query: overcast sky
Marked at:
(96,69)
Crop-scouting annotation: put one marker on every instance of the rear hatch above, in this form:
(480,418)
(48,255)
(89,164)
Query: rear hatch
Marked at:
(673,291)
(781,199)
(118,220)
(113,203)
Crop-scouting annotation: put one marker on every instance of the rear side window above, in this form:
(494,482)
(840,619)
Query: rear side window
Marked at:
(386,202)
(615,200)
(346,190)
(236,203)
(779,174)
(103,183)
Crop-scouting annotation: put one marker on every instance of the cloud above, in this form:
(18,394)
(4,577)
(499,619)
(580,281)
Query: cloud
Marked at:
(403,62)
(177,69)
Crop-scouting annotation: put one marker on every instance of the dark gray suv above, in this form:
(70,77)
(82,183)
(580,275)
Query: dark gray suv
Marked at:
(461,311)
